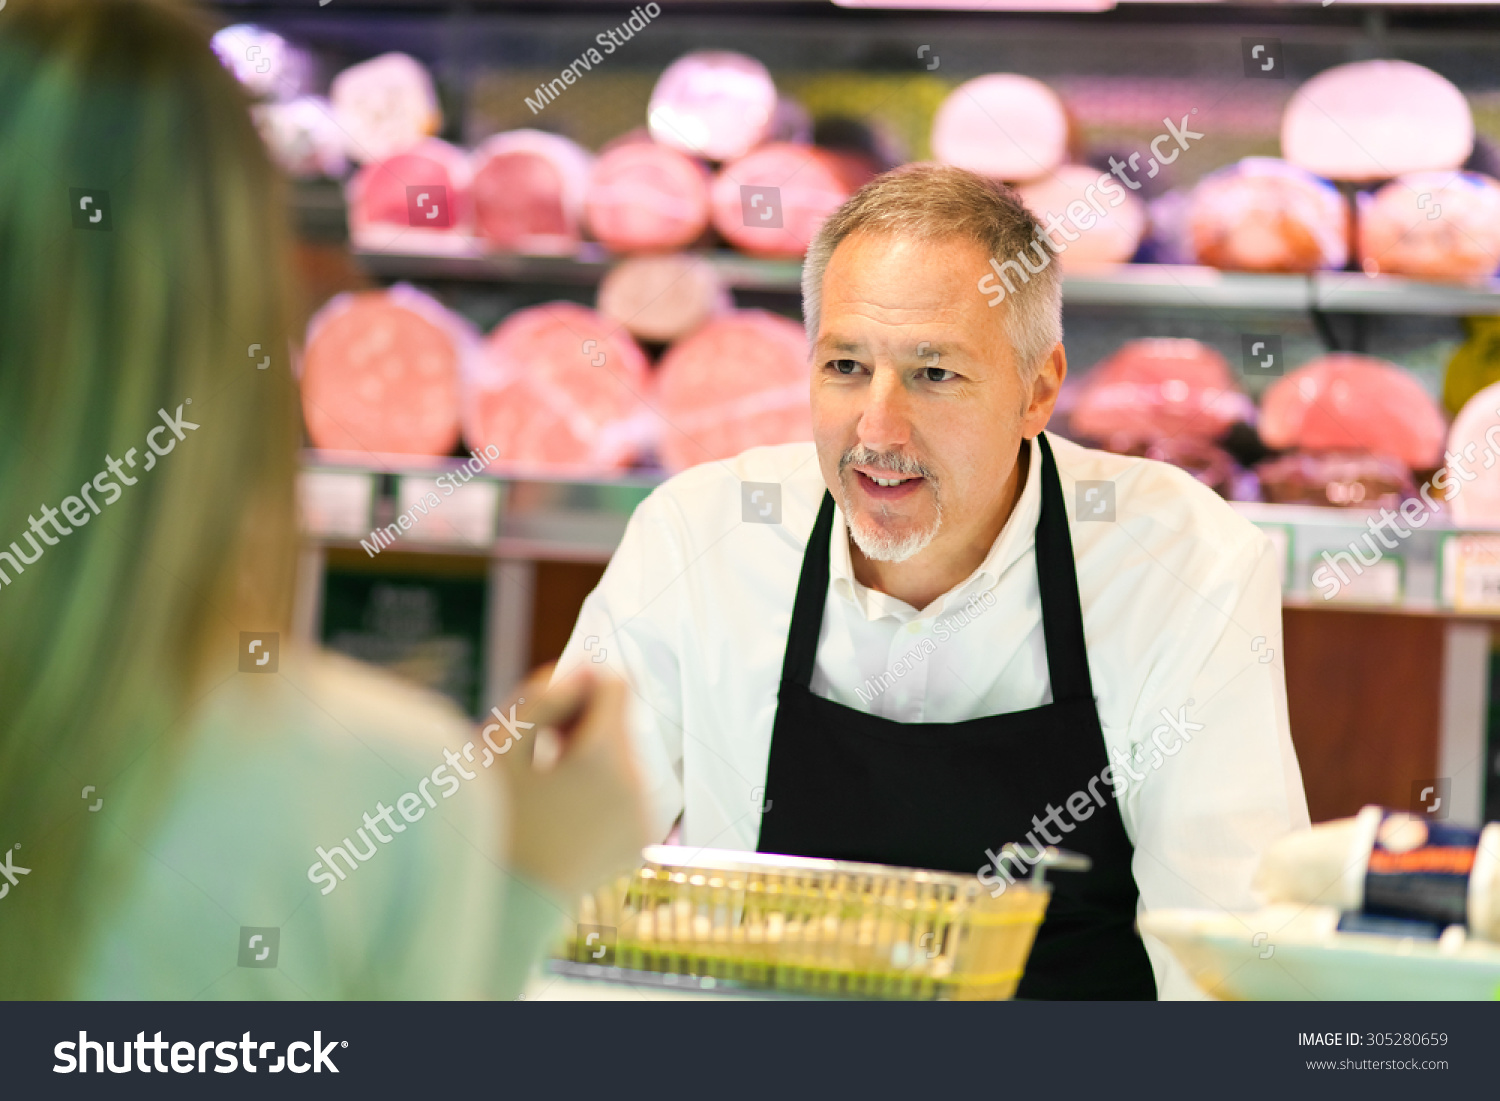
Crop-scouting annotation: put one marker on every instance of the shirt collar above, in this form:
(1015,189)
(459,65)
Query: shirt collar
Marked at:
(1016,537)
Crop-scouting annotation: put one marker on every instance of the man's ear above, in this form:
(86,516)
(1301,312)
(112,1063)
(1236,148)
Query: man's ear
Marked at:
(1044,390)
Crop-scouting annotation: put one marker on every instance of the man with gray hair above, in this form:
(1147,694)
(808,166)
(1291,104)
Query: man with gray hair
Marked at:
(934,631)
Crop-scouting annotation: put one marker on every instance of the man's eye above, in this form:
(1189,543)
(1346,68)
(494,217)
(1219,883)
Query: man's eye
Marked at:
(937,374)
(845,366)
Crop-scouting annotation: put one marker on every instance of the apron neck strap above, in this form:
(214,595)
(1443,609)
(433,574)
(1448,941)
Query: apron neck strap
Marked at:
(1062,614)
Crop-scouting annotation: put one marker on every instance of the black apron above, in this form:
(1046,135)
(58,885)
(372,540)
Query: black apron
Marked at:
(845,785)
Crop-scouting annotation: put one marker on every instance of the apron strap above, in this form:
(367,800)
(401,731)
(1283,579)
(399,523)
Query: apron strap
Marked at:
(1062,611)
(1057,579)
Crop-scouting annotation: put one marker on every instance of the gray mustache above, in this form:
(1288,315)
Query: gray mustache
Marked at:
(892,461)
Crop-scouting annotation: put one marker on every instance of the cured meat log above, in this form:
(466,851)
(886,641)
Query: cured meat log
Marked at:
(417,201)
(385,105)
(1475,437)
(1347,402)
(714,104)
(529,190)
(662,298)
(1105,224)
(741,381)
(302,136)
(1433,224)
(1371,120)
(1004,126)
(644,197)
(558,387)
(1156,389)
(1263,214)
(1337,479)
(772,201)
(381,373)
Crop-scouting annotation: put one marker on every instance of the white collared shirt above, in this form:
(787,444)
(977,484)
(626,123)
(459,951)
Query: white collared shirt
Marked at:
(1182,620)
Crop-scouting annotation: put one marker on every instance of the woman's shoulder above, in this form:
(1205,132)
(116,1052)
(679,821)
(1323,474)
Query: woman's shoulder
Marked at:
(305,802)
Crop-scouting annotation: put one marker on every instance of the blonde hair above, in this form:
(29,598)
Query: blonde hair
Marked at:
(105,333)
(934,202)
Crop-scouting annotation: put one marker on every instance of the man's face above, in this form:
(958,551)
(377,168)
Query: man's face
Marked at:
(914,381)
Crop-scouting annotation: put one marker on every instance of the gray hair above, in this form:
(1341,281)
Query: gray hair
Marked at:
(933,202)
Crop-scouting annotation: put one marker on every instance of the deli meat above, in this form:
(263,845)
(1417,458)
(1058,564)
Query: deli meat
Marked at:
(662,298)
(1476,437)
(528,191)
(559,387)
(772,201)
(714,104)
(1347,402)
(645,197)
(417,201)
(302,136)
(741,381)
(381,372)
(1432,224)
(1156,389)
(1263,214)
(1004,126)
(1108,223)
(385,106)
(1371,120)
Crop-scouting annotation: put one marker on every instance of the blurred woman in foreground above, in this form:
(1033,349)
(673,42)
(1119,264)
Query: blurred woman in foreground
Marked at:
(159,808)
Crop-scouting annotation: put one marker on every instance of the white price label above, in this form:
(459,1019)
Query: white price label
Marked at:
(1378,583)
(335,504)
(1473,562)
(444,512)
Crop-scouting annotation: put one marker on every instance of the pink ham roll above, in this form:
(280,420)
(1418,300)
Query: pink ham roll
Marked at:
(381,371)
(1263,214)
(1475,437)
(418,201)
(740,381)
(663,298)
(714,104)
(1371,120)
(1156,389)
(1004,126)
(1434,225)
(771,202)
(1346,402)
(528,192)
(644,197)
(559,388)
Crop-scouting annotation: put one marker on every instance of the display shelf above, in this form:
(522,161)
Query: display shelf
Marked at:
(1180,286)
(526,516)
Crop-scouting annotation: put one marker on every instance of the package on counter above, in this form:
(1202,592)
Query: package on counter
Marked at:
(1390,864)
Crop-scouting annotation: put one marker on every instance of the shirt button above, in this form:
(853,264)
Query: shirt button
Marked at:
(915,626)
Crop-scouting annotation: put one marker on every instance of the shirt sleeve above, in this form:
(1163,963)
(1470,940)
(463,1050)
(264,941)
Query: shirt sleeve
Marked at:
(1211,744)
(630,625)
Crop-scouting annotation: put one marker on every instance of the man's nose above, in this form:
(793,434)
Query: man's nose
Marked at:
(885,424)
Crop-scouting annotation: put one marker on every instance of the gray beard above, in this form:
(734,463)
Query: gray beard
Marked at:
(879,547)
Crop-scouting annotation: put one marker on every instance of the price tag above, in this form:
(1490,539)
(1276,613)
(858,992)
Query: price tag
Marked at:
(443,513)
(1378,583)
(1473,563)
(335,503)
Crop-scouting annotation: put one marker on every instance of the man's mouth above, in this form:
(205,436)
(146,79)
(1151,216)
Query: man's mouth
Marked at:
(885,485)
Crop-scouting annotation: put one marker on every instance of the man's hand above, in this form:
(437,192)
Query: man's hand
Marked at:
(579,818)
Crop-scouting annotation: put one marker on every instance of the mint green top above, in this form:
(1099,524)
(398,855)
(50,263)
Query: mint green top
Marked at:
(283,764)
